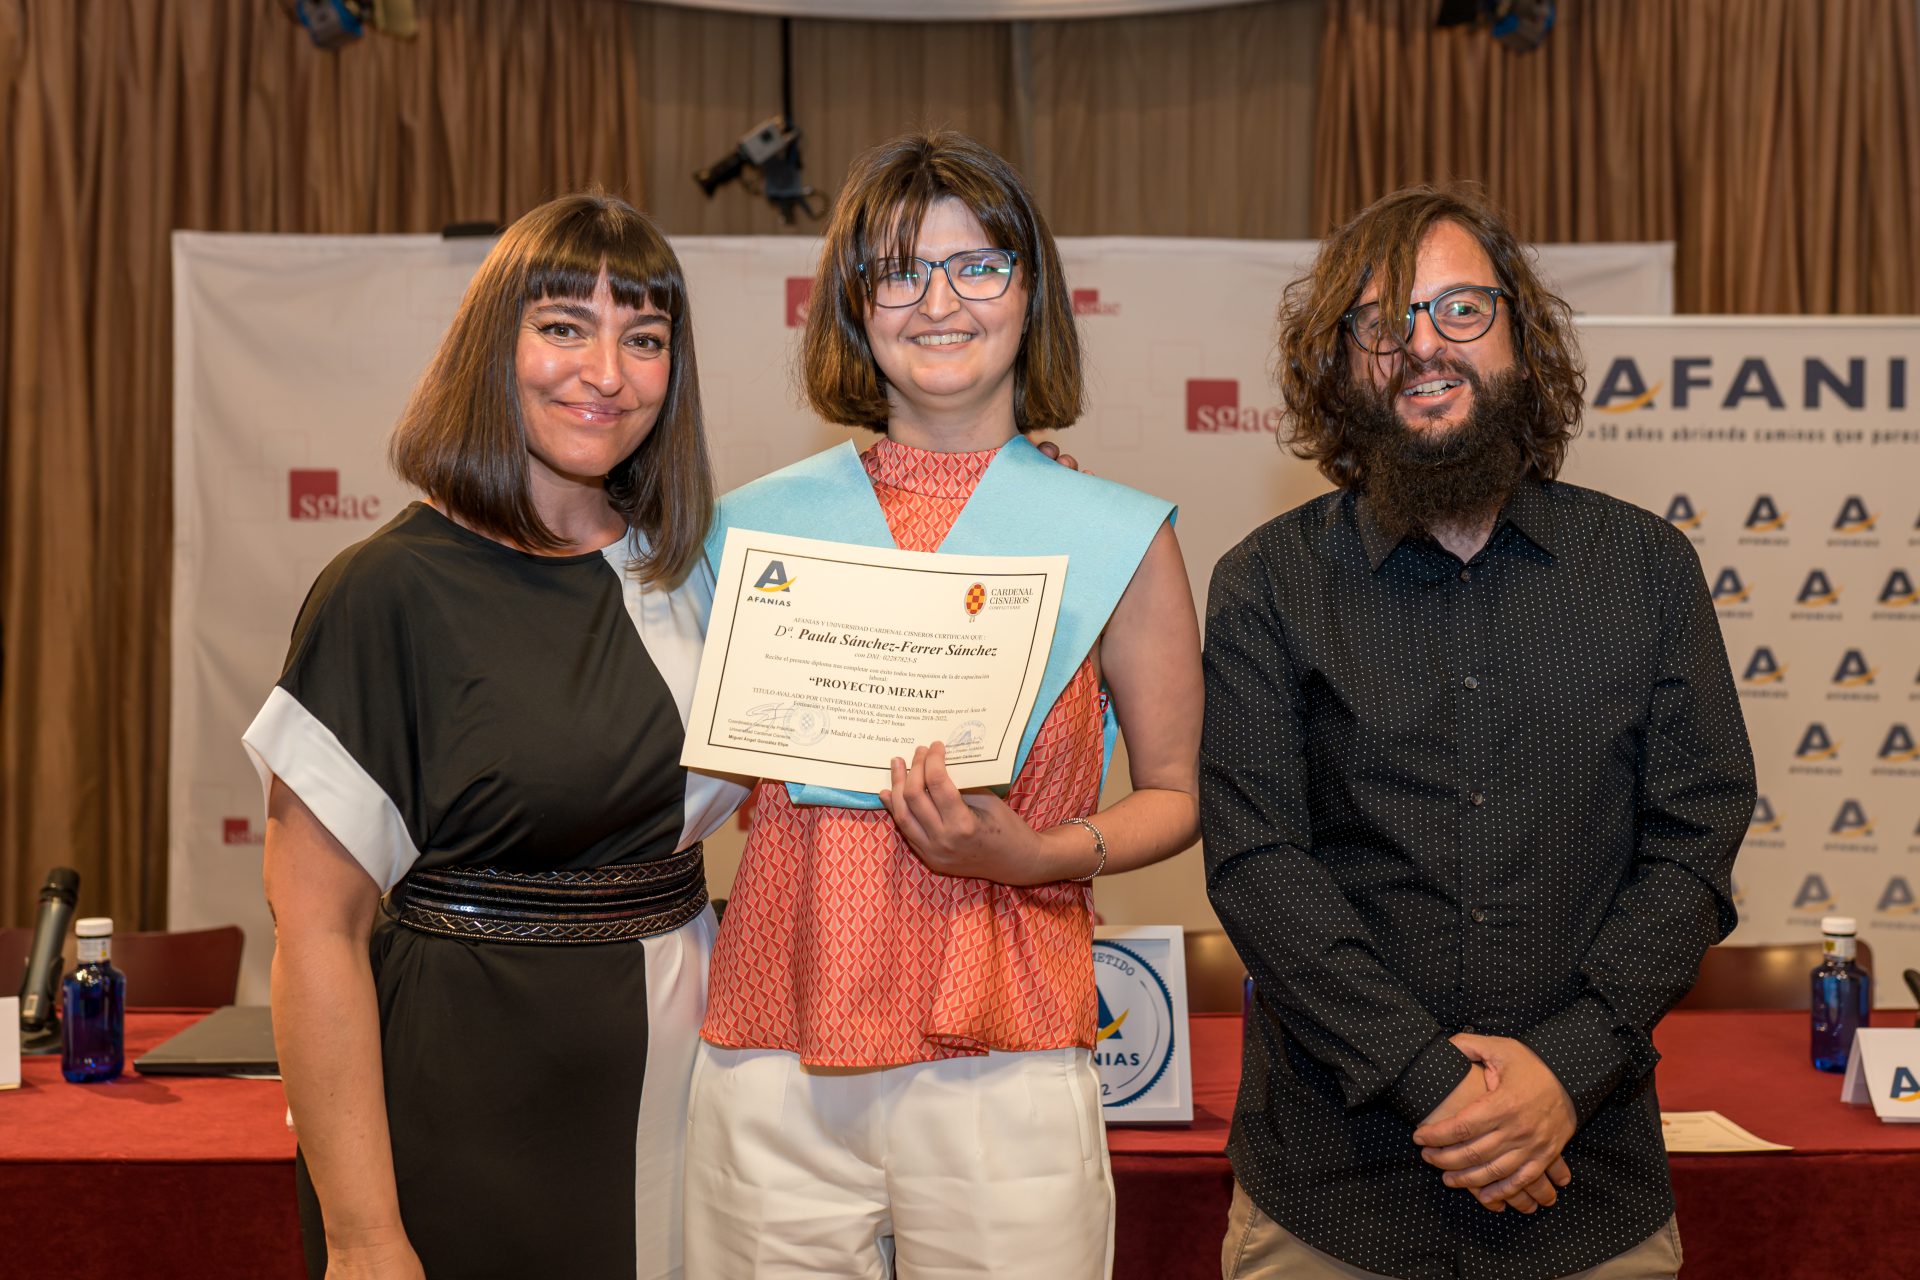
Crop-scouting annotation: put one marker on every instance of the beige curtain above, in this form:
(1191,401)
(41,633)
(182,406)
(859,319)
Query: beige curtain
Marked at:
(1776,141)
(124,120)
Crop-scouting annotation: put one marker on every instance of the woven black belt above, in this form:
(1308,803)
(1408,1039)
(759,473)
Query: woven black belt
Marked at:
(565,908)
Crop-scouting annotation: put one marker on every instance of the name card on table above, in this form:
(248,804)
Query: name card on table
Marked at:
(1140,1039)
(1884,1069)
(10,1043)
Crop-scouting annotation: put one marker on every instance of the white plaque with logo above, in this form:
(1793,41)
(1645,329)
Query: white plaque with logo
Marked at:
(1141,1043)
(1884,1069)
(824,661)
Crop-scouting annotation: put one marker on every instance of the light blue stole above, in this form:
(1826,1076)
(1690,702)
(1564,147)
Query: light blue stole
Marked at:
(1025,505)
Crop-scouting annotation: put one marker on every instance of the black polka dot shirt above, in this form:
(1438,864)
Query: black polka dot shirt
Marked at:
(1501,796)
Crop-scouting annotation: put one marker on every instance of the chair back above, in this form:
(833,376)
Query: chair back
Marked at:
(199,968)
(1771,976)
(14,946)
(1214,973)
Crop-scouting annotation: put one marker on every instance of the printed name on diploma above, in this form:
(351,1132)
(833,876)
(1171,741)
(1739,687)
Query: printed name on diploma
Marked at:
(882,651)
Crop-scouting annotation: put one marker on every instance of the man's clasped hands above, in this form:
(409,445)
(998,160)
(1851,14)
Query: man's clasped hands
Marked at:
(1500,1133)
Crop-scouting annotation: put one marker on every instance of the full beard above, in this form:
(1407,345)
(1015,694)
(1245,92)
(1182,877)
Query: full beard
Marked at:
(1417,481)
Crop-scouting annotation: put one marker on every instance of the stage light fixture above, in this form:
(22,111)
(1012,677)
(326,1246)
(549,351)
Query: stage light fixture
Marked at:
(331,24)
(334,24)
(766,160)
(1521,25)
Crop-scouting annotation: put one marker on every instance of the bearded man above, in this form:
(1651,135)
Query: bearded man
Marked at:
(1473,777)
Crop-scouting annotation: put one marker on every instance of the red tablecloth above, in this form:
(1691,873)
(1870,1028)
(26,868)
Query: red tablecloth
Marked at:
(146,1176)
(166,1177)
(1844,1203)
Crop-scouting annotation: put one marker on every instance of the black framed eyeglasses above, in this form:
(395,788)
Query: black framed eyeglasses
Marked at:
(978,275)
(1460,315)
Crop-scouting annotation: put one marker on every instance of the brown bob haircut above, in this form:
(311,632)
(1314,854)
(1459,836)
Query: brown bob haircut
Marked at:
(1315,371)
(878,215)
(462,439)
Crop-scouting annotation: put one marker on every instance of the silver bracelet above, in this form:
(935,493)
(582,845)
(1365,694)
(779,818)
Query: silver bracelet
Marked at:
(1099,844)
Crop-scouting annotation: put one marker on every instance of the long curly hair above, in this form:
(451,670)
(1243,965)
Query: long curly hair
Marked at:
(1315,369)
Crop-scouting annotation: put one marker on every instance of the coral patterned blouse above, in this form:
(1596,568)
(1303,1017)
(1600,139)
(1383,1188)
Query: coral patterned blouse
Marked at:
(839,945)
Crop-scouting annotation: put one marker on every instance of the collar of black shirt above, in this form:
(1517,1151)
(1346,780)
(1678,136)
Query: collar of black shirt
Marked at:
(1528,510)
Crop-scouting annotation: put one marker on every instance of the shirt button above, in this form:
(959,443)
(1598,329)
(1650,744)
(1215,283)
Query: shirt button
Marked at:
(1472,682)
(1470,1030)
(1479,915)
(1466,575)
(1476,799)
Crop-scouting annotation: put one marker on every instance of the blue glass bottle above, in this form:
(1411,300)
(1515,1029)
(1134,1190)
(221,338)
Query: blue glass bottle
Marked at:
(93,1008)
(1842,995)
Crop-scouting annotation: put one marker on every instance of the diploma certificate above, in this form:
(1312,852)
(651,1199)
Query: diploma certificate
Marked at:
(824,661)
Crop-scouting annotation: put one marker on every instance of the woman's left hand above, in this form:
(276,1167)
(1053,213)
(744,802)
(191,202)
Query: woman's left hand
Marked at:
(964,833)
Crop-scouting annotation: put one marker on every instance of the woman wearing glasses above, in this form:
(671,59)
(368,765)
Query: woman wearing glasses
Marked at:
(897,1066)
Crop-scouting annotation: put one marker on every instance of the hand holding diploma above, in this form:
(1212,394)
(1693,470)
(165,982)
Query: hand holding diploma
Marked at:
(975,833)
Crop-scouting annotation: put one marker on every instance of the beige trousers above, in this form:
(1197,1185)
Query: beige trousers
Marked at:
(1258,1248)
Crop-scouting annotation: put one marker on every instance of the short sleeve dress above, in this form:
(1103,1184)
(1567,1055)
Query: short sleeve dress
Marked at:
(452,703)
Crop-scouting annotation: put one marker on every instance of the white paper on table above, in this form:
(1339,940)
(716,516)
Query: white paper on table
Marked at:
(10,1042)
(824,661)
(1702,1131)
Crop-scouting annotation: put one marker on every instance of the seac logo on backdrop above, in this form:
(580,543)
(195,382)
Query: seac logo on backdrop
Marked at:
(240,831)
(799,297)
(1764,822)
(315,495)
(1213,404)
(1086,302)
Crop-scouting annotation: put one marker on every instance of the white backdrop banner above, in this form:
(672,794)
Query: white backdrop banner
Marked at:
(294,355)
(1789,450)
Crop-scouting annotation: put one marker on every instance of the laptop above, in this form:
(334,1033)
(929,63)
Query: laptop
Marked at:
(234,1041)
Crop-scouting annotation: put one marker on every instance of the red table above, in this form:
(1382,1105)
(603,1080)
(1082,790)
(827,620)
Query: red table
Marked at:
(174,1177)
(1845,1202)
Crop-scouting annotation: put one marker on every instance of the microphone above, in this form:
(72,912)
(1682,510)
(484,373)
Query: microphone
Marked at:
(39,1019)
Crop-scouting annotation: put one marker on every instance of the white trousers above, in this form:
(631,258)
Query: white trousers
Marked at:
(991,1166)
(676,1005)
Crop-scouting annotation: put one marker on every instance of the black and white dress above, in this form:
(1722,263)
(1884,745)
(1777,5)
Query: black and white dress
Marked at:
(449,702)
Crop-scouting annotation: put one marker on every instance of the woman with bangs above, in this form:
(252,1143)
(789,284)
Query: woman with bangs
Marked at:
(482,855)
(896,1073)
